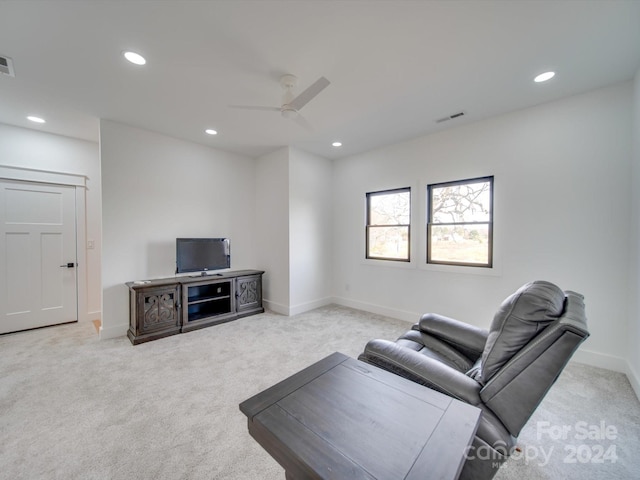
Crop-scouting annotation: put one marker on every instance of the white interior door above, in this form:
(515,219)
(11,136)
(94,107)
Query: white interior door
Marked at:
(38,280)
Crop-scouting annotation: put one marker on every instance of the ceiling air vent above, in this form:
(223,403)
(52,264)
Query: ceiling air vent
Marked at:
(450,117)
(6,66)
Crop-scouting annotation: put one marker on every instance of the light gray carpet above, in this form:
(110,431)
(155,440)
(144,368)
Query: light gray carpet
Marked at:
(72,406)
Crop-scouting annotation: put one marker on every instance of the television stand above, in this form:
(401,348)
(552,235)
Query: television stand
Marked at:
(163,307)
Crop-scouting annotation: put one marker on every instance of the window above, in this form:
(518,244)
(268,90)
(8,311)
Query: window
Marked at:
(460,222)
(388,222)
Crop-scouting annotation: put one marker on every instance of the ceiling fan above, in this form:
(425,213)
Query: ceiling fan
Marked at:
(292,104)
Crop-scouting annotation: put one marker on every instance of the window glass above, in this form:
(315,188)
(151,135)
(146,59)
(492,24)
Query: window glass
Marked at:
(388,224)
(460,222)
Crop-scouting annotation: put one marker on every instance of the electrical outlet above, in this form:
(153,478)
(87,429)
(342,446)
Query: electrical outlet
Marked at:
(91,244)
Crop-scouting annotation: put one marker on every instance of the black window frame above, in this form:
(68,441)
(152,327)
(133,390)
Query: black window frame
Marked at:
(430,187)
(369,225)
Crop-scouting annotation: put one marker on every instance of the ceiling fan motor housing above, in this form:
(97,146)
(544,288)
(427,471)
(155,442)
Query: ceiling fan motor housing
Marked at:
(288,112)
(288,81)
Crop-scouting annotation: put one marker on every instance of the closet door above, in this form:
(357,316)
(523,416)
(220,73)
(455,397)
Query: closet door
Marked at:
(38,280)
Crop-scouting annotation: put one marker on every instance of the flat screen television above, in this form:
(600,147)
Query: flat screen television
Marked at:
(202,254)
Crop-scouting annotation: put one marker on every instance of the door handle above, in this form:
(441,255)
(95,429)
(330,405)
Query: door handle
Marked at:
(68,265)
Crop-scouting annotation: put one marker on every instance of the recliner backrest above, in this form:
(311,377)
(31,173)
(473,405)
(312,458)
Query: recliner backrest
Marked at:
(517,389)
(521,317)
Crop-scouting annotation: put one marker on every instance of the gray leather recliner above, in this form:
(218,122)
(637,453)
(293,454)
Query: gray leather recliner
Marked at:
(505,371)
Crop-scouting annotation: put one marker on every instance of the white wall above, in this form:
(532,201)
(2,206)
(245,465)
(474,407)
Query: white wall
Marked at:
(310,230)
(272,228)
(155,189)
(32,149)
(293,216)
(562,214)
(633,332)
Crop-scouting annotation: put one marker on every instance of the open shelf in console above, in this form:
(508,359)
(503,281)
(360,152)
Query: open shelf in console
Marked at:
(209,291)
(208,302)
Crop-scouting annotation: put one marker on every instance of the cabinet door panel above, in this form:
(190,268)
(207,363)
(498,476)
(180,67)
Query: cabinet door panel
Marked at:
(249,293)
(158,309)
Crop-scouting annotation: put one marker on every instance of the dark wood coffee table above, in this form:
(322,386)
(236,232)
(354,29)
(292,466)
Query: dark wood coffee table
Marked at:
(344,419)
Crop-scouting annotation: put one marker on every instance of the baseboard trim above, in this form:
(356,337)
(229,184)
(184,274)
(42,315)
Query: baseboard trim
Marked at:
(275,307)
(305,307)
(634,379)
(296,309)
(113,332)
(97,315)
(377,309)
(601,360)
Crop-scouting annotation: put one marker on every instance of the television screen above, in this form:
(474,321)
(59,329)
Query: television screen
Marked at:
(202,254)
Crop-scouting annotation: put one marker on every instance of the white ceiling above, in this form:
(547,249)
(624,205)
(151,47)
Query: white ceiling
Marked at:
(394,66)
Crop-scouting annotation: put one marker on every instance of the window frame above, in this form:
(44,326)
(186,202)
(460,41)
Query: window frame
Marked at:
(368,225)
(489,223)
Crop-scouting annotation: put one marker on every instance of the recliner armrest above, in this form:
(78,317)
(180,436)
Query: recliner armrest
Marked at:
(421,369)
(468,338)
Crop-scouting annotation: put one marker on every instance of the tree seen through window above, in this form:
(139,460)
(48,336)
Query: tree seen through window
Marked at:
(460,223)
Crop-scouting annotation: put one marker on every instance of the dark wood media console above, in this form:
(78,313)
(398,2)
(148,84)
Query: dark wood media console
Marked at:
(167,306)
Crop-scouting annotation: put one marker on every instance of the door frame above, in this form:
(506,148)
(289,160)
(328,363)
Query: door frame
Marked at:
(30,175)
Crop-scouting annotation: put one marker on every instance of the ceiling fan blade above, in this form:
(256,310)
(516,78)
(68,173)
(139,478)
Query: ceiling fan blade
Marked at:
(306,96)
(255,107)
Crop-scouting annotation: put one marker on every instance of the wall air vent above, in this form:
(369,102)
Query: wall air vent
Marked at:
(6,66)
(450,117)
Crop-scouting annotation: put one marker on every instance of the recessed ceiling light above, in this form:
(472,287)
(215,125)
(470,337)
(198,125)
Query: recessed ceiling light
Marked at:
(337,144)
(135,58)
(36,119)
(543,77)
(210,131)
